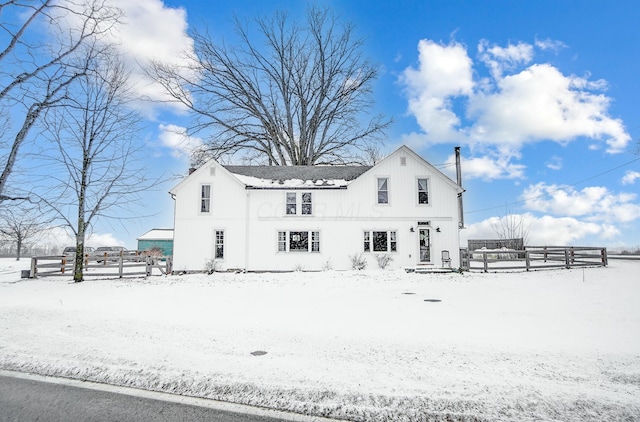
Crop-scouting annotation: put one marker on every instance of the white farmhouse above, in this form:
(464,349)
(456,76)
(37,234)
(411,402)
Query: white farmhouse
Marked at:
(276,218)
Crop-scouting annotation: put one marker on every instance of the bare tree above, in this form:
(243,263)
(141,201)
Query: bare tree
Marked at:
(93,168)
(512,225)
(288,94)
(35,74)
(20,224)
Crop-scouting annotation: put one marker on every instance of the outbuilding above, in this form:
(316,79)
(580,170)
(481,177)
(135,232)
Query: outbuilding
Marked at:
(157,239)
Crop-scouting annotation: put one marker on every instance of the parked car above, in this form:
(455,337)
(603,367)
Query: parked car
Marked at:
(71,250)
(109,250)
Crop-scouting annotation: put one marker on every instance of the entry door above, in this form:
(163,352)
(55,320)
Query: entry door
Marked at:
(424,245)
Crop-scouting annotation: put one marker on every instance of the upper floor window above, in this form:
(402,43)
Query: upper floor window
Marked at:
(306,203)
(423,191)
(306,206)
(205,198)
(383,190)
(291,203)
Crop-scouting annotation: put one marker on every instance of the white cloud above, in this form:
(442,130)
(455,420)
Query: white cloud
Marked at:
(630,177)
(545,230)
(499,59)
(152,31)
(540,103)
(549,44)
(176,139)
(498,166)
(521,102)
(58,236)
(444,72)
(596,203)
(149,31)
(554,163)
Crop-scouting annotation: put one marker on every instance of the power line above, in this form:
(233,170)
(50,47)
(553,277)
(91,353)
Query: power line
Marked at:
(555,190)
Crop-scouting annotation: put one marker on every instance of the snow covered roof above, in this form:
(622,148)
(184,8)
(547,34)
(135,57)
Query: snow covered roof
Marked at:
(157,234)
(297,176)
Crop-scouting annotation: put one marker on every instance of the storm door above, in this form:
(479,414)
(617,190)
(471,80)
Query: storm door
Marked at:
(424,245)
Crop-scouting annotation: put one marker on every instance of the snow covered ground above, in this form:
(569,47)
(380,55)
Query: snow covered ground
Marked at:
(372,345)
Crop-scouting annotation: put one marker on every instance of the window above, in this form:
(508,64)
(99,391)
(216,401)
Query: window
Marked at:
(383,190)
(219,244)
(380,241)
(298,241)
(205,198)
(291,203)
(423,191)
(282,241)
(306,203)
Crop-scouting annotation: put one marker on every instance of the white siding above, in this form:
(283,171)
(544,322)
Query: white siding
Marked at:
(252,218)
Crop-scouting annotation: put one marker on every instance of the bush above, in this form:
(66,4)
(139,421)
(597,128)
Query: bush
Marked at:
(384,260)
(327,266)
(358,262)
(211,266)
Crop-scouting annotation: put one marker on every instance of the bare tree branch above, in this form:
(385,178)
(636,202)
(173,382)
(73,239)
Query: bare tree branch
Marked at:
(298,95)
(21,224)
(35,74)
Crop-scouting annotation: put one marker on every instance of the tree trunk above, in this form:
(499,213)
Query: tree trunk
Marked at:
(19,244)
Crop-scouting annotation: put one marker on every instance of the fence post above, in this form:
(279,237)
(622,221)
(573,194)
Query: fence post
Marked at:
(149,268)
(605,260)
(566,259)
(63,264)
(121,264)
(527,259)
(34,267)
(486,264)
(169,262)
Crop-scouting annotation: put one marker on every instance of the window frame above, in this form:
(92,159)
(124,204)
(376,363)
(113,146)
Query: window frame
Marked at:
(218,245)
(205,199)
(291,207)
(379,190)
(425,191)
(284,241)
(291,203)
(306,207)
(369,242)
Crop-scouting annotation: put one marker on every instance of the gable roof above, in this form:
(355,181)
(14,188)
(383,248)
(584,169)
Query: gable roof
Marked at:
(406,150)
(157,234)
(294,176)
(305,177)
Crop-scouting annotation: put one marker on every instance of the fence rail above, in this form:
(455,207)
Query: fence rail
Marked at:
(122,264)
(534,257)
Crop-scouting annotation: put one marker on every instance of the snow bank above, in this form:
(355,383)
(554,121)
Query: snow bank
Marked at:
(373,345)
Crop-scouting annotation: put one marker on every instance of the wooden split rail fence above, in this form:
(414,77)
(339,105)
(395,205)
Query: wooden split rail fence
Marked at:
(122,264)
(533,258)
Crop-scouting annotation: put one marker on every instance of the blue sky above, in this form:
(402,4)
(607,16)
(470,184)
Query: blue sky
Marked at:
(541,95)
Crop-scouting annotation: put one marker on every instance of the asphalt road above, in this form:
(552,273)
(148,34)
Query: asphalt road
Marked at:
(26,399)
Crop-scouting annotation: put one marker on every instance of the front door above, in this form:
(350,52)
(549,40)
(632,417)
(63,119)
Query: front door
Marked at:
(424,245)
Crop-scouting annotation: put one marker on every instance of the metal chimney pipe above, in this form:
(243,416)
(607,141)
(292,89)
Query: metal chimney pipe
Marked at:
(459,181)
